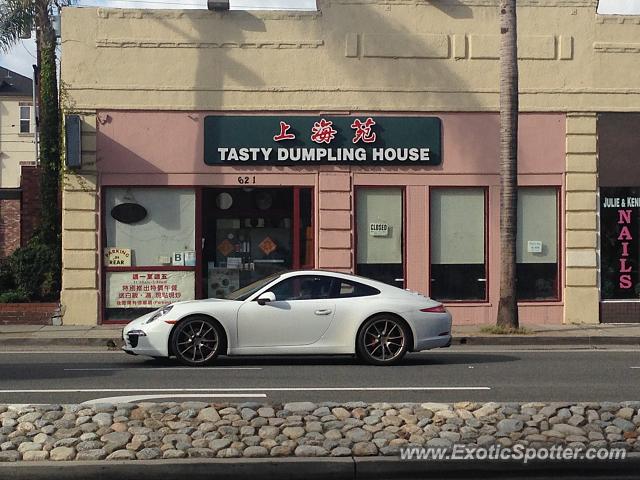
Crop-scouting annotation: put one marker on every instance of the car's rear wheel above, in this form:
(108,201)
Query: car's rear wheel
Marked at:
(382,340)
(196,341)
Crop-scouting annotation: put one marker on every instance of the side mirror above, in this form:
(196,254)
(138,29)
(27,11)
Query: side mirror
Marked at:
(266,297)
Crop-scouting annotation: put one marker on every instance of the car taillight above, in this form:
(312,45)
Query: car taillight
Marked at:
(437,309)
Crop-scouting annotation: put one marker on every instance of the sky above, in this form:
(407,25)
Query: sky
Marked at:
(21,58)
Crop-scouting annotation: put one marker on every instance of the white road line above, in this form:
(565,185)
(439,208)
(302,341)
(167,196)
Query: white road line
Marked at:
(157,369)
(266,389)
(137,398)
(634,367)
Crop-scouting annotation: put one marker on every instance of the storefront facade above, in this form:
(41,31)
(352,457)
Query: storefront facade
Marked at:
(619,144)
(290,140)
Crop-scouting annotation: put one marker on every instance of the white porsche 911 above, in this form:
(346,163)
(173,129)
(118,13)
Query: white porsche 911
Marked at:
(297,312)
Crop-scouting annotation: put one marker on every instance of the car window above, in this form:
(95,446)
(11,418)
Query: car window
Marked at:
(349,289)
(304,287)
(248,290)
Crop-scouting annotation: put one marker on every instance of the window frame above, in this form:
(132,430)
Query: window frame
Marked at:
(103,269)
(29,107)
(559,245)
(487,218)
(403,238)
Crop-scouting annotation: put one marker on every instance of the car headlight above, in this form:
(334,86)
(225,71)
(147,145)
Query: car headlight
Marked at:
(159,313)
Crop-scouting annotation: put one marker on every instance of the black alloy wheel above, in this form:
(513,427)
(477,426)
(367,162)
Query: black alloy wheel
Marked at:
(382,340)
(196,341)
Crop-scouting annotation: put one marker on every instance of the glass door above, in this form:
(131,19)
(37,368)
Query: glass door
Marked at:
(250,233)
(379,216)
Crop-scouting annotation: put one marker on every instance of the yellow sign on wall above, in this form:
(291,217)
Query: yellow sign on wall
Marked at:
(117,257)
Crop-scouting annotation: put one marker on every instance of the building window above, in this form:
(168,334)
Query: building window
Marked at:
(25,117)
(619,245)
(458,231)
(165,236)
(149,255)
(379,232)
(537,244)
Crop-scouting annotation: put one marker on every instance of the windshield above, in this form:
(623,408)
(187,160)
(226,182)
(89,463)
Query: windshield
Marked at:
(245,292)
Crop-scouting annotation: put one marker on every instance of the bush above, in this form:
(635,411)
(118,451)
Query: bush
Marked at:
(13,296)
(6,277)
(31,273)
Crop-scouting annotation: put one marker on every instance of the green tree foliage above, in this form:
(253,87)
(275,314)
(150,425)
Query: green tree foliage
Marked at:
(33,271)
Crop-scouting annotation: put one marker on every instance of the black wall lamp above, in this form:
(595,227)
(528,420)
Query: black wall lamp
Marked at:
(218,4)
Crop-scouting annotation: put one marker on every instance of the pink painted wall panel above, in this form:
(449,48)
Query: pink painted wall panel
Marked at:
(335,219)
(335,182)
(172,142)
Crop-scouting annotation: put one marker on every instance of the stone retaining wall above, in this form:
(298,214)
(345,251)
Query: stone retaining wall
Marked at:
(148,431)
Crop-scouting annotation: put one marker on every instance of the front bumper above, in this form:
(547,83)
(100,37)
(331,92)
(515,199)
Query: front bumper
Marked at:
(150,339)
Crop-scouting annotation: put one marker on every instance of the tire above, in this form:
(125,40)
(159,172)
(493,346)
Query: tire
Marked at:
(382,340)
(196,341)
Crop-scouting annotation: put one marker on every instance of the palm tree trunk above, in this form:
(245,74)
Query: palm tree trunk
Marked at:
(508,306)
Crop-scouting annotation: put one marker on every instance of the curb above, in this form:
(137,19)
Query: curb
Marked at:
(114,343)
(192,469)
(545,341)
(349,468)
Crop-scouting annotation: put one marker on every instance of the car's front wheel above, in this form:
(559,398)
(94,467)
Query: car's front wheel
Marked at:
(382,340)
(196,341)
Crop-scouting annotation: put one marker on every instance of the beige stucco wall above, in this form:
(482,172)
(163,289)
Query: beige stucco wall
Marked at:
(365,55)
(14,146)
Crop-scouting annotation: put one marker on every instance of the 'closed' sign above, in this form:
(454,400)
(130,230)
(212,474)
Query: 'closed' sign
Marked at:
(379,229)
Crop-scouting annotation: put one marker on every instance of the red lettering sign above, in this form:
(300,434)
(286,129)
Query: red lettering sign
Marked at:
(363,130)
(323,131)
(284,135)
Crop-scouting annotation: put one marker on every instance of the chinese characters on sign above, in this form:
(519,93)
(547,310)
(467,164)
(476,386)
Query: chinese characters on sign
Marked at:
(148,289)
(323,132)
(298,140)
(284,135)
(363,131)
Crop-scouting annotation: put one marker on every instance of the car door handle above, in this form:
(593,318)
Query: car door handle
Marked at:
(323,312)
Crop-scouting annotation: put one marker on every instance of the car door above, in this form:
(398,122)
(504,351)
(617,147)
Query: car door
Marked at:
(301,313)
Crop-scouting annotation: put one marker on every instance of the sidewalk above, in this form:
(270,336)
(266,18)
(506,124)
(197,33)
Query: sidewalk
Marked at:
(540,335)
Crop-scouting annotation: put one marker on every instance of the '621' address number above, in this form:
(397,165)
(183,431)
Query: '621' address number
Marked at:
(247,180)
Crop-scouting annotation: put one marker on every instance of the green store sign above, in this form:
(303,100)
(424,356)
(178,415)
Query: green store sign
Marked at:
(327,140)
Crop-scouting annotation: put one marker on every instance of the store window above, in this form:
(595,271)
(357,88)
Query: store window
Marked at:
(250,233)
(149,256)
(537,244)
(25,117)
(458,231)
(379,230)
(166,231)
(620,243)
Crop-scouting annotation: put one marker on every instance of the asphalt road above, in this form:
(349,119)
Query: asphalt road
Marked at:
(456,374)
